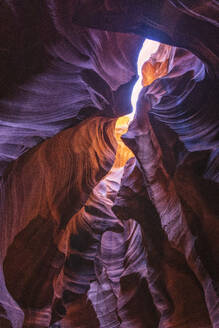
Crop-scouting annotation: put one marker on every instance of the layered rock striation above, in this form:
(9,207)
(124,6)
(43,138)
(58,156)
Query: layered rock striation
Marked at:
(99,230)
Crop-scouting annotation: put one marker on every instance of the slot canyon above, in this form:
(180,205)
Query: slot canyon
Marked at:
(109,164)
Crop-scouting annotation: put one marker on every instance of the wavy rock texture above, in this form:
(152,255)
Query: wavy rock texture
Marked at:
(166,21)
(177,220)
(37,223)
(55,74)
(81,243)
(79,247)
(176,292)
(178,100)
(120,293)
(107,257)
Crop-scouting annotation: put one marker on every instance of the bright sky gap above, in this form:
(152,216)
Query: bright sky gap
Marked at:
(149,47)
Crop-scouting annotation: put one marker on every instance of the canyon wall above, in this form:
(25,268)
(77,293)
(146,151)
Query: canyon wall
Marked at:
(105,224)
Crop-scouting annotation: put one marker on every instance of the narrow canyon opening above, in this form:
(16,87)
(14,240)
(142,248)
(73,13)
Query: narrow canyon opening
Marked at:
(109,183)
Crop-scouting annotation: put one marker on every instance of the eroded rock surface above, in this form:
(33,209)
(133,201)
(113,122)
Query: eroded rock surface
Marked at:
(177,220)
(89,237)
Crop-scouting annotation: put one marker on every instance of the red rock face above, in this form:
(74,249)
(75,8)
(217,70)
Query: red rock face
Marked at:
(38,226)
(90,237)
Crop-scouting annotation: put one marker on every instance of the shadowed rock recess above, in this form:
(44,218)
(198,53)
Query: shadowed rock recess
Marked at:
(108,221)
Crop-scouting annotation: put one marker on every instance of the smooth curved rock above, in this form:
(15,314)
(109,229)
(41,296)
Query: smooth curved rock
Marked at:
(183,216)
(30,239)
(120,294)
(166,21)
(54,74)
(67,260)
